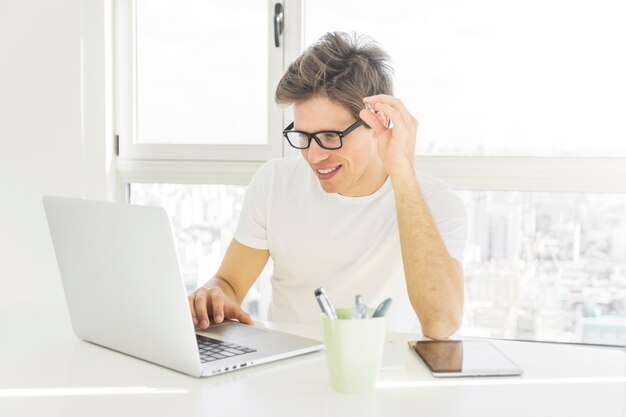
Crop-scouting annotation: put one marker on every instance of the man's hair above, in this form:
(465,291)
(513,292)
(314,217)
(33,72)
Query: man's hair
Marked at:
(343,67)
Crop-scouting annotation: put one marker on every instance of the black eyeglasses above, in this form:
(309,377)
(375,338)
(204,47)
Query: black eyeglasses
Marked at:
(328,139)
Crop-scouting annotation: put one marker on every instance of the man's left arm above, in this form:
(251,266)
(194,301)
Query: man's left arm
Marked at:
(434,279)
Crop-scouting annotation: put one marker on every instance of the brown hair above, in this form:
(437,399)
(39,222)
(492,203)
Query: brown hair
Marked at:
(343,67)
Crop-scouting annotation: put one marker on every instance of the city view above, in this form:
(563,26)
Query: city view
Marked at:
(546,266)
(538,266)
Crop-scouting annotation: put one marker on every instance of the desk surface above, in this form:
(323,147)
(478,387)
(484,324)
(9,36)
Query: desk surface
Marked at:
(45,369)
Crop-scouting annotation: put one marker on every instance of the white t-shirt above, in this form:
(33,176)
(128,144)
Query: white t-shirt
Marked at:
(348,245)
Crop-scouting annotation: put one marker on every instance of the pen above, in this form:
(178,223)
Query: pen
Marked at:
(325,305)
(382,308)
(360,309)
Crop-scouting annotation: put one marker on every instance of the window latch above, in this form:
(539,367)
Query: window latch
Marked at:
(278,23)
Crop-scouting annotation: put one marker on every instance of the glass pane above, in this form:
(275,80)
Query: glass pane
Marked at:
(536,78)
(202,71)
(538,266)
(546,266)
(204,218)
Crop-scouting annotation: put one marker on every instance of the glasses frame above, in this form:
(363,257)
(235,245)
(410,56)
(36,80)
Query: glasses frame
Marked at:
(313,135)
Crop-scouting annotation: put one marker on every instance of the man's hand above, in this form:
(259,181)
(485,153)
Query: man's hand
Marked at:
(396,144)
(205,302)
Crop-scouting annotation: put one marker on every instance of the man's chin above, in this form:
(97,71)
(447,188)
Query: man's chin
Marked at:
(329,187)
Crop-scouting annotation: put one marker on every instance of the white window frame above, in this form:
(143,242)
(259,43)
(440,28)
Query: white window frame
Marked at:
(126,104)
(236,164)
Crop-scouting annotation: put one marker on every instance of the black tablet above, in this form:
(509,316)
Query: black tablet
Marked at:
(446,358)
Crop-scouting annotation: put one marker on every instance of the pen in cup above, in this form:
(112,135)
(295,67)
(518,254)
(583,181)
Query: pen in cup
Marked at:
(360,309)
(382,308)
(325,305)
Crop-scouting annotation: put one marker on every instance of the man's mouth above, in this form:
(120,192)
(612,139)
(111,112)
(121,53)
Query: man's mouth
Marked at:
(328,170)
(327,173)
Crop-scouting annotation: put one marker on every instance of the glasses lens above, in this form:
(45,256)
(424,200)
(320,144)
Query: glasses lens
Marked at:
(298,140)
(330,140)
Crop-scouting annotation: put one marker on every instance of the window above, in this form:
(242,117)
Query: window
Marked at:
(519,106)
(195,83)
(191,87)
(514,99)
(547,266)
(534,78)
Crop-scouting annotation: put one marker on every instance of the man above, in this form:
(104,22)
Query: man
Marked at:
(351,215)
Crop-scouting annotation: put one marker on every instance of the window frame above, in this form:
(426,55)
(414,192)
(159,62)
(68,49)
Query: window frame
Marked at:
(126,104)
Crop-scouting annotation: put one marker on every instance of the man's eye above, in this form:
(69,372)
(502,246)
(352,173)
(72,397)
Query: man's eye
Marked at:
(329,137)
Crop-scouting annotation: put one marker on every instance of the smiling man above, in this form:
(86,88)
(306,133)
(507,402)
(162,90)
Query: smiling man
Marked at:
(351,214)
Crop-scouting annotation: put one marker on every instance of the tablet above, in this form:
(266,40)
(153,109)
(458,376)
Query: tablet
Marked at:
(447,358)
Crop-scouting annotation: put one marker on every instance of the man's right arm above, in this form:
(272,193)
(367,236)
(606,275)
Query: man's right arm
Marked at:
(222,295)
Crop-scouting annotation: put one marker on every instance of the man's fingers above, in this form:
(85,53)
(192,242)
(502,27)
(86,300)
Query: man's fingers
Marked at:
(396,103)
(392,112)
(236,312)
(205,301)
(217,302)
(200,303)
(373,121)
(387,99)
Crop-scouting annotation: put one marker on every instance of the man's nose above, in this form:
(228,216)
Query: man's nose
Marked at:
(315,153)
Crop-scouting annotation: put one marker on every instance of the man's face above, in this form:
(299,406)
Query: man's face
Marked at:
(353,170)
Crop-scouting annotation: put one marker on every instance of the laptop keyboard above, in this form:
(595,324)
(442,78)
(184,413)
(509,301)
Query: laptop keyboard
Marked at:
(213,349)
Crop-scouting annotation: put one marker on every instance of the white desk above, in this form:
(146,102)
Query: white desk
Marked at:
(45,370)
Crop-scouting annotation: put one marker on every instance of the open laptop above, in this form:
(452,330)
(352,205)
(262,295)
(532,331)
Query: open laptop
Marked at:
(124,291)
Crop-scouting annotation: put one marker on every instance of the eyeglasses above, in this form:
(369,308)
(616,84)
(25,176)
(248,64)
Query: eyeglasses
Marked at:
(329,139)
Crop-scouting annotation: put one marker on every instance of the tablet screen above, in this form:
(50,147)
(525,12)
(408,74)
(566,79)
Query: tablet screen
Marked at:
(464,358)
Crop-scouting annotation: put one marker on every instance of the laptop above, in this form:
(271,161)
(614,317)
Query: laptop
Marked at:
(124,291)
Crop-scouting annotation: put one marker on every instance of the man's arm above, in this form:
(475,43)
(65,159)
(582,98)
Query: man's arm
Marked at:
(434,279)
(222,295)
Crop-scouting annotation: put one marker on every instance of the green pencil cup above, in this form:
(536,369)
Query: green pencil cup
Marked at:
(354,350)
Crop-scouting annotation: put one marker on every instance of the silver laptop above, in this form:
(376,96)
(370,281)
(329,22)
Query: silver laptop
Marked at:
(124,291)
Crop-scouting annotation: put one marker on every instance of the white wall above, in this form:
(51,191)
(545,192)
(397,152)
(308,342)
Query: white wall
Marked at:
(43,136)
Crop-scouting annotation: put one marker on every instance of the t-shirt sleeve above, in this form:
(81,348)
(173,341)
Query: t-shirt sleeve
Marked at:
(450,217)
(252,228)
